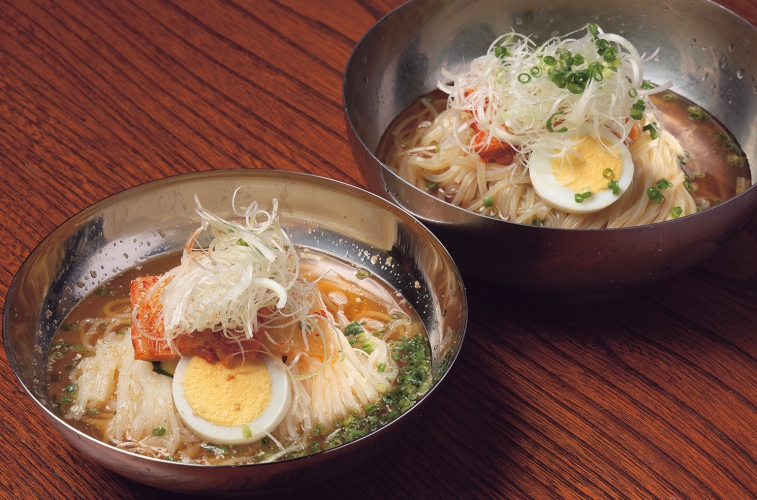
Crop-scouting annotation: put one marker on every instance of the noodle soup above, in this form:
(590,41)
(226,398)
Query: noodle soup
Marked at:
(518,135)
(353,361)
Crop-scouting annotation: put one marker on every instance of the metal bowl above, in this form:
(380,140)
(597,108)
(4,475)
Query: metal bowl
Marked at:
(127,228)
(705,50)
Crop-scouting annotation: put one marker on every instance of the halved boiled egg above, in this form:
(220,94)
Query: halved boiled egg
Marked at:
(236,405)
(581,180)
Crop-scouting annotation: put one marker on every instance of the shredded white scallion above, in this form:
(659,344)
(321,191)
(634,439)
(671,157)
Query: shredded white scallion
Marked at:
(248,265)
(510,95)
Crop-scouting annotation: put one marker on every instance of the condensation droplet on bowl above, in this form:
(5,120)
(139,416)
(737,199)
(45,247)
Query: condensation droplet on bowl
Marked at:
(365,58)
(740,73)
(730,47)
(519,21)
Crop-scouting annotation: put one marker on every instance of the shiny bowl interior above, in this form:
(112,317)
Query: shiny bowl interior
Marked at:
(705,50)
(127,228)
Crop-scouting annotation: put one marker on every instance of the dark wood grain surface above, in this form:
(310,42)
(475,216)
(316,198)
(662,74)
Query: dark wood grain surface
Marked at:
(646,394)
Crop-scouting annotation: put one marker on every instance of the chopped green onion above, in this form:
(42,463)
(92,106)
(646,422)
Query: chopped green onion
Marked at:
(676,212)
(438,147)
(558,78)
(594,29)
(536,71)
(668,97)
(367,347)
(614,186)
(362,274)
(265,441)
(93,411)
(582,77)
(632,93)
(549,124)
(314,447)
(653,129)
(664,184)
(594,68)
(431,186)
(537,222)
(734,159)
(578,60)
(57,355)
(353,328)
(524,78)
(488,202)
(406,141)
(70,388)
(575,88)
(646,85)
(609,54)
(638,109)
(655,195)
(607,173)
(695,113)
(381,367)
(246,432)
(580,197)
(159,431)
(550,61)
(501,52)
(105,292)
(602,46)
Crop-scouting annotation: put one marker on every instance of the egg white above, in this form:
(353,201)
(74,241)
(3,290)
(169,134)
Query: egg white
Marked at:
(273,414)
(558,196)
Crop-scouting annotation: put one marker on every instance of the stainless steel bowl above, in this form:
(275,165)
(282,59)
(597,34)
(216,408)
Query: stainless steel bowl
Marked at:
(123,230)
(705,50)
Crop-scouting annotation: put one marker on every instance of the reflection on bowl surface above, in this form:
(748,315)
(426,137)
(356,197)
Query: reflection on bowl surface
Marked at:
(409,52)
(379,245)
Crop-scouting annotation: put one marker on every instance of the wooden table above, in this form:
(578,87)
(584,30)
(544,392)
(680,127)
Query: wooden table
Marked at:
(646,394)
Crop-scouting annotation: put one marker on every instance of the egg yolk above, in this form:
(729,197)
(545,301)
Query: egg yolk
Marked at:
(227,396)
(584,170)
